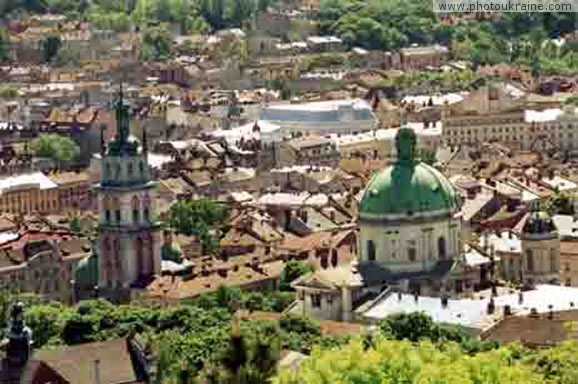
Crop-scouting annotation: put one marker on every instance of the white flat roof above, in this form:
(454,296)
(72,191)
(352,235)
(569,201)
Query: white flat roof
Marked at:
(464,312)
(559,297)
(326,105)
(323,39)
(560,183)
(34,180)
(389,133)
(473,313)
(552,114)
(246,131)
(437,99)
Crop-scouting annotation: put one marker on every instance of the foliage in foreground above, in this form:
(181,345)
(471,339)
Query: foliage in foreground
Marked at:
(203,345)
(406,362)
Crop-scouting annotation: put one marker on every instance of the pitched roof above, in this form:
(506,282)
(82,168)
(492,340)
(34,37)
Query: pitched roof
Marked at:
(75,363)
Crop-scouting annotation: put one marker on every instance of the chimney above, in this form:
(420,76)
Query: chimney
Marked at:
(444,302)
(507,310)
(416,296)
(520,298)
(491,306)
(96,372)
(399,295)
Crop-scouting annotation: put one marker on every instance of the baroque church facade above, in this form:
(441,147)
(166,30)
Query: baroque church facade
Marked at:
(409,241)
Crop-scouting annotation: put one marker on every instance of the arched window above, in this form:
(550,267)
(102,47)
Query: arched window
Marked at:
(141,166)
(107,206)
(370,250)
(334,258)
(146,208)
(129,169)
(442,252)
(529,260)
(116,207)
(135,204)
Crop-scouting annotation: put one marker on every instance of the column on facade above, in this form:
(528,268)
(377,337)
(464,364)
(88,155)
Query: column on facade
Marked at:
(346,304)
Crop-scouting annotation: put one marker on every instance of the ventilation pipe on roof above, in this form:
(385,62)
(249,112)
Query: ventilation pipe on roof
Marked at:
(444,302)
(491,306)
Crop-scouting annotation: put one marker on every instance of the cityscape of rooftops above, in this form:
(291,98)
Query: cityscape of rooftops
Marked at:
(287,192)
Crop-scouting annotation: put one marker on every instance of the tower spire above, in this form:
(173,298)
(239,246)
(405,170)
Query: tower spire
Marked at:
(122,118)
(102,141)
(145,148)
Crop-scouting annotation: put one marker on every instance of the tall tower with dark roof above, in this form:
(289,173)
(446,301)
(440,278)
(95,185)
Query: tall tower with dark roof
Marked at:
(129,234)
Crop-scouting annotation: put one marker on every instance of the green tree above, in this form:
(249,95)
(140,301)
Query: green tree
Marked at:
(560,203)
(56,147)
(291,271)
(50,47)
(405,362)
(428,156)
(156,43)
(47,321)
(8,92)
(198,217)
(4,44)
(246,360)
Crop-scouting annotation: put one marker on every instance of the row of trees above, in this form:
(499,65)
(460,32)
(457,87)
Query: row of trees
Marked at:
(196,344)
(193,15)
(392,24)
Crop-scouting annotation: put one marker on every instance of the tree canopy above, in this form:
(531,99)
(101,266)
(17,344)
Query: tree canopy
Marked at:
(291,271)
(56,147)
(198,217)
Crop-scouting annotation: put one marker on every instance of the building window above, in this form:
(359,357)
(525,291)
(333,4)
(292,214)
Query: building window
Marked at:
(370,250)
(117,215)
(411,253)
(529,261)
(316,300)
(129,169)
(135,209)
(442,253)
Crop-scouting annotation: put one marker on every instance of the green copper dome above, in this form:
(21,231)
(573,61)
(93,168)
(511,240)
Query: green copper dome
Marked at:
(409,187)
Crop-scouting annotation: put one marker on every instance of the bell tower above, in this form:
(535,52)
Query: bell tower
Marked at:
(129,234)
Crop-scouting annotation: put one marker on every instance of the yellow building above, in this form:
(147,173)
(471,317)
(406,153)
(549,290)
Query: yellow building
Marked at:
(500,114)
(29,193)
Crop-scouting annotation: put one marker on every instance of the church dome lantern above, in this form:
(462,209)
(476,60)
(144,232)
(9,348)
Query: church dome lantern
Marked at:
(409,188)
